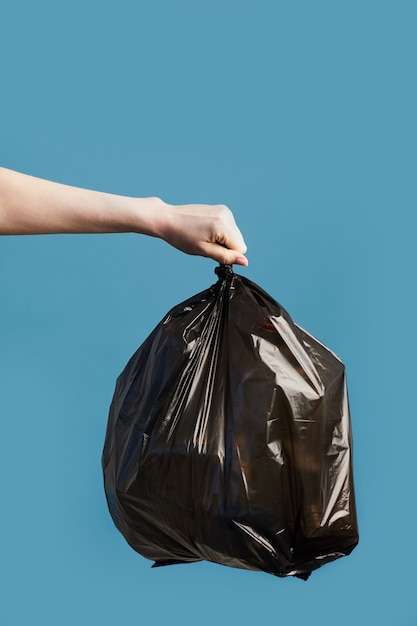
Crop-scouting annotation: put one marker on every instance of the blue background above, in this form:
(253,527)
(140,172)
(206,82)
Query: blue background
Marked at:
(301,116)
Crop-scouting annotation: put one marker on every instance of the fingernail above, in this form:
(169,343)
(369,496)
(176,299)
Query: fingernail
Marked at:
(241,260)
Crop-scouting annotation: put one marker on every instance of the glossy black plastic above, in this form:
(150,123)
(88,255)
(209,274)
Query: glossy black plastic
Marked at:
(229,439)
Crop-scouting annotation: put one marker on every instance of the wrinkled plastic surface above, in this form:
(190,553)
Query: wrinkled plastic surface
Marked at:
(229,439)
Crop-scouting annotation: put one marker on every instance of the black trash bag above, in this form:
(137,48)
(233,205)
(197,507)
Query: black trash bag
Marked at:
(229,439)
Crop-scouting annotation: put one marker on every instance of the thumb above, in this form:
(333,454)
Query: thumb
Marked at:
(221,254)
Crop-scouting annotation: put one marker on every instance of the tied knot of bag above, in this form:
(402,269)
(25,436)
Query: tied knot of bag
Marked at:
(224,271)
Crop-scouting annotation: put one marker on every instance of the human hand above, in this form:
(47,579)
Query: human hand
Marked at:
(206,230)
(30,205)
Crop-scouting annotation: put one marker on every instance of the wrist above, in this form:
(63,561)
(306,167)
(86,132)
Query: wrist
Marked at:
(147,216)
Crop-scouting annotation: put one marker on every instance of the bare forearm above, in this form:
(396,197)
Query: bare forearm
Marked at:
(30,205)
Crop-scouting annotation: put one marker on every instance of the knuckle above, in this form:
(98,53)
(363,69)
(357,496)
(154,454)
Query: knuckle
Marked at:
(223,211)
(224,258)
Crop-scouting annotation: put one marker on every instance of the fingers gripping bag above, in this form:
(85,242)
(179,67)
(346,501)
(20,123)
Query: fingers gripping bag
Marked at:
(229,439)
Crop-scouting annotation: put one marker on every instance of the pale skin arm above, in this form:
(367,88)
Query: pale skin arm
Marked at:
(30,206)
